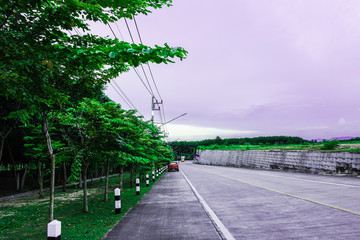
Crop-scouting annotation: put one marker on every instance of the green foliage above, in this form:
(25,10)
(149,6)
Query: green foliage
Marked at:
(330,145)
(57,77)
(26,218)
(184,148)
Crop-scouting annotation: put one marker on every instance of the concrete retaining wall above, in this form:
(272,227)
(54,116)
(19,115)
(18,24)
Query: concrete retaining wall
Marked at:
(304,161)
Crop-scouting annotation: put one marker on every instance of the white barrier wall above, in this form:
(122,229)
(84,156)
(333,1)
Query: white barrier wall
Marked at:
(306,161)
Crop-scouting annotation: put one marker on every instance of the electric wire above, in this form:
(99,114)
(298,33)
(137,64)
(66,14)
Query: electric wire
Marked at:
(133,67)
(127,25)
(152,76)
(125,98)
(124,94)
(137,29)
(162,117)
(132,39)
(122,37)
(162,111)
(147,80)
(120,95)
(111,30)
(151,93)
(165,125)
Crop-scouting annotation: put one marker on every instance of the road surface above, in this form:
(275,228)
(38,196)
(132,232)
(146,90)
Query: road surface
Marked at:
(256,204)
(210,202)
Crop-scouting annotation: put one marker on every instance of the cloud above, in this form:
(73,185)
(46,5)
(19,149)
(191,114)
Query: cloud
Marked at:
(189,132)
(321,127)
(342,121)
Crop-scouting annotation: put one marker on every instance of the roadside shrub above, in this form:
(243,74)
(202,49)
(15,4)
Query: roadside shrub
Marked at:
(330,145)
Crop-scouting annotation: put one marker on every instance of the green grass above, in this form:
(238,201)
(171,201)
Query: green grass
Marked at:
(27,218)
(343,147)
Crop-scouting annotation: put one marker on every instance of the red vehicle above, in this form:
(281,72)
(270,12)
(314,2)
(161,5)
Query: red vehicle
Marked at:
(173,166)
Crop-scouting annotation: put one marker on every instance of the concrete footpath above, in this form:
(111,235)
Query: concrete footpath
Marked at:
(168,211)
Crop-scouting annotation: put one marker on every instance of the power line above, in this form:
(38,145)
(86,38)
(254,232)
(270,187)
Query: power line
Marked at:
(138,30)
(162,117)
(119,31)
(132,39)
(111,30)
(157,90)
(151,93)
(123,93)
(147,88)
(147,80)
(161,110)
(127,25)
(120,95)
(165,126)
(152,76)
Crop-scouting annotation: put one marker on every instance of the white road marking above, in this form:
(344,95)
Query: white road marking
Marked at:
(284,193)
(224,232)
(308,180)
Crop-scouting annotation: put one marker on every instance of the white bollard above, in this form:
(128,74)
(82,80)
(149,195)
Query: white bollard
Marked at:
(54,230)
(117,201)
(147,180)
(137,186)
(153,175)
(157,173)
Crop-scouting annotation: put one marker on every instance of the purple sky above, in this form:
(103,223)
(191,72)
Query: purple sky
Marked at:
(255,68)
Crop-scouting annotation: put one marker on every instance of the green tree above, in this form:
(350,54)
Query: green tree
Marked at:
(330,145)
(46,68)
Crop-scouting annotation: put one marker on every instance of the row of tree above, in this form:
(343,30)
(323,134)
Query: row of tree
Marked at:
(188,148)
(52,79)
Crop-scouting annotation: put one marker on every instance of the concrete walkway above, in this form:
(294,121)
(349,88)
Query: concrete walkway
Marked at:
(168,211)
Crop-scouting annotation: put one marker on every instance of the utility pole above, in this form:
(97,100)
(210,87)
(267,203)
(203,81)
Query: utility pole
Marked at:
(155,106)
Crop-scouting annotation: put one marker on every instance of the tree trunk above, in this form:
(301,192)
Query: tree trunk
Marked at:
(121,177)
(40,179)
(85,200)
(102,173)
(92,178)
(3,137)
(13,167)
(132,176)
(64,177)
(106,197)
(1,148)
(23,179)
(80,180)
(18,181)
(52,166)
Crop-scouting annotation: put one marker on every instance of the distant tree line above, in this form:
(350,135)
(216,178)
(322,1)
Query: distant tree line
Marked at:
(188,148)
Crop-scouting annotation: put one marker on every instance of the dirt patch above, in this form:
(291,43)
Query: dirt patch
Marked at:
(70,197)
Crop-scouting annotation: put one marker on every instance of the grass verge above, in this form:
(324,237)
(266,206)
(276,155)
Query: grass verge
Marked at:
(27,217)
(346,147)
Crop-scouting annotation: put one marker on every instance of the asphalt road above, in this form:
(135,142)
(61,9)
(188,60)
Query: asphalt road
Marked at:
(256,204)
(169,211)
(210,202)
